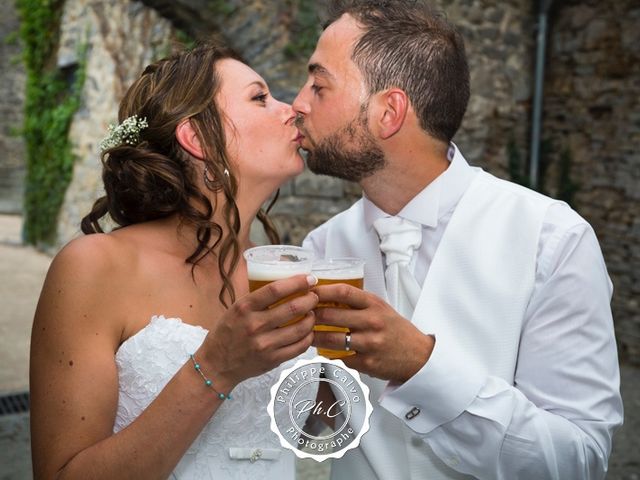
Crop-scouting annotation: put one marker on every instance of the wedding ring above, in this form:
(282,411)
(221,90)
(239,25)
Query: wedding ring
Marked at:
(347,341)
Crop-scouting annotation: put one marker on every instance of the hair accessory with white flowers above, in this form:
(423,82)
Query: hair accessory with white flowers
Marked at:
(126,132)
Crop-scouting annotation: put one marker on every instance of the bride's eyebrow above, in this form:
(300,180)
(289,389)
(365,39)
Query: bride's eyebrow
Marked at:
(258,83)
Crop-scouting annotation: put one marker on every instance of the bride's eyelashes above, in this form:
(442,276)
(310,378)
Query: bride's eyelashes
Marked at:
(260,97)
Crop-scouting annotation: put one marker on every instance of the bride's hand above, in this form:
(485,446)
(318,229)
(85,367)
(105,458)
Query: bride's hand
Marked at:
(250,339)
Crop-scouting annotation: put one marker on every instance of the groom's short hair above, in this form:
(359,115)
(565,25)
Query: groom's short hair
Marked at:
(408,45)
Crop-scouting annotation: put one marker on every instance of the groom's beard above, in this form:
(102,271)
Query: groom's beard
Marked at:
(350,153)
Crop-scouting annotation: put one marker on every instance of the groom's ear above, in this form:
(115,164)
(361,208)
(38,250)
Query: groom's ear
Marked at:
(392,106)
(188,139)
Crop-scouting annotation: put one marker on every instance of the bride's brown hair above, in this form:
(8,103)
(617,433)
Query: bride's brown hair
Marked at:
(155,178)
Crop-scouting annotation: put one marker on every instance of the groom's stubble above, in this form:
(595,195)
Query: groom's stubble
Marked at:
(349,153)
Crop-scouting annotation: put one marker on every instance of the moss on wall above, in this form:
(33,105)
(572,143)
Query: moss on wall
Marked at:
(52,98)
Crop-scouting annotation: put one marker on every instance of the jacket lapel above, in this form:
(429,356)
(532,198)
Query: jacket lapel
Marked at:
(340,242)
(420,317)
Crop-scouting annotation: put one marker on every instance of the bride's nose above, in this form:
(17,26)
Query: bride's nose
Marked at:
(288,115)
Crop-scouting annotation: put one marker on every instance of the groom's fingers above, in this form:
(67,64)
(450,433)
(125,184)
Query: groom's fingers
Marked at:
(343,294)
(340,317)
(337,341)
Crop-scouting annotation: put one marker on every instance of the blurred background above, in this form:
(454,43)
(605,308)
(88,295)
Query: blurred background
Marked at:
(555,106)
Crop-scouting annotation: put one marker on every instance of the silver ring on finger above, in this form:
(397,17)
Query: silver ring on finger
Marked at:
(347,341)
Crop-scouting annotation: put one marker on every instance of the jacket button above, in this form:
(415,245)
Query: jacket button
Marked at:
(414,412)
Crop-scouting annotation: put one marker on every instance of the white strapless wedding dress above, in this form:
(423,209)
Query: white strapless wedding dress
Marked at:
(237,443)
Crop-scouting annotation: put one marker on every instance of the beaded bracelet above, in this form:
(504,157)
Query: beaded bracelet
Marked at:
(208,382)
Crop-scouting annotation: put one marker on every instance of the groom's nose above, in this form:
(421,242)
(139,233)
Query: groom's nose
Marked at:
(300,104)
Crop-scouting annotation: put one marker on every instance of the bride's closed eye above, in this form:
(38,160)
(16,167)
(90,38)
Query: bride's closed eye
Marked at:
(261,97)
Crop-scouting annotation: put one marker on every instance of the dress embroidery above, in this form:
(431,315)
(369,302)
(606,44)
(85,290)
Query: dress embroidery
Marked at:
(148,360)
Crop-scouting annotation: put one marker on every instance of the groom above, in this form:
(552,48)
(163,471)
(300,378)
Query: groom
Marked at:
(484,331)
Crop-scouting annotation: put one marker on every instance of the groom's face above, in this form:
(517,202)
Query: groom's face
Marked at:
(332,107)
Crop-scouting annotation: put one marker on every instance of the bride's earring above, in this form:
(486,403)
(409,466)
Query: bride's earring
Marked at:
(208,181)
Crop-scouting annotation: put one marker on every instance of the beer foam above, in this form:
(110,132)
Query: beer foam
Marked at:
(264,272)
(335,271)
(274,262)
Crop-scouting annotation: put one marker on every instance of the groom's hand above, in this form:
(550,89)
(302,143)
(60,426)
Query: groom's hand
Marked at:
(388,345)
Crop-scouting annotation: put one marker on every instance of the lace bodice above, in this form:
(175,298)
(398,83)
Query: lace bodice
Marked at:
(238,431)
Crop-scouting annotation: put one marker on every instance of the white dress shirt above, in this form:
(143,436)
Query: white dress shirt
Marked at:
(562,430)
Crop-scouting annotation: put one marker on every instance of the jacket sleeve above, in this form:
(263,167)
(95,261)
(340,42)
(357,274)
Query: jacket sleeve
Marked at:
(558,418)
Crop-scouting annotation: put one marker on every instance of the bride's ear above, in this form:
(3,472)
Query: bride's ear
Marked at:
(188,139)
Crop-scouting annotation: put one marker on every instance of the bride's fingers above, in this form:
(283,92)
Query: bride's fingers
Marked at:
(290,311)
(276,291)
(293,350)
(281,337)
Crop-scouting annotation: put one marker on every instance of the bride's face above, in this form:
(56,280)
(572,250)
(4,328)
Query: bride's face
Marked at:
(261,139)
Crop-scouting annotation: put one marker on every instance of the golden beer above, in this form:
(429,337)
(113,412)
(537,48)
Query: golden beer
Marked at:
(347,270)
(274,262)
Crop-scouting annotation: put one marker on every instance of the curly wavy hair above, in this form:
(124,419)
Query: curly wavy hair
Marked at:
(155,178)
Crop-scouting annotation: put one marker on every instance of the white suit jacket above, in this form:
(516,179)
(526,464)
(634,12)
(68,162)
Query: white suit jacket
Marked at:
(473,300)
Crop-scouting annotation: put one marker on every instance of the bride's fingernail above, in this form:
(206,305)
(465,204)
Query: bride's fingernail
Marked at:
(312,280)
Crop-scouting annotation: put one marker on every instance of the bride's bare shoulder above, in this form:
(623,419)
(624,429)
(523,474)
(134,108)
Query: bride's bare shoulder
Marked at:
(83,291)
(98,252)
(122,256)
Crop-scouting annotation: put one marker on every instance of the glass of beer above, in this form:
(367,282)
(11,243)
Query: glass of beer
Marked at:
(349,270)
(273,262)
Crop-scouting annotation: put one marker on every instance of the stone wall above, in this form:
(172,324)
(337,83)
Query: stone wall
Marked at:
(592,127)
(261,31)
(591,123)
(499,41)
(122,37)
(12,87)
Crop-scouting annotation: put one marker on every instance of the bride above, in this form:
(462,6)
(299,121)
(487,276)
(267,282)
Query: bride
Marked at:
(149,358)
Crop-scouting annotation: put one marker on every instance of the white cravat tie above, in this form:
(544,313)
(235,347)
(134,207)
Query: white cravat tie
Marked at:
(399,239)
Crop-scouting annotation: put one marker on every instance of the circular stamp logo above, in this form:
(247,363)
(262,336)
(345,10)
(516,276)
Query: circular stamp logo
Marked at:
(319,408)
